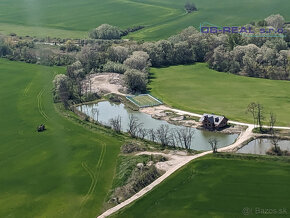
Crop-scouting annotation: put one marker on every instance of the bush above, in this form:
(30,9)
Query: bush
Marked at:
(136,81)
(106,31)
(190,7)
(114,67)
(132,147)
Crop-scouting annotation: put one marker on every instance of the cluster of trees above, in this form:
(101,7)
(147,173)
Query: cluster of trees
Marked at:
(164,135)
(27,51)
(69,89)
(258,113)
(108,32)
(271,60)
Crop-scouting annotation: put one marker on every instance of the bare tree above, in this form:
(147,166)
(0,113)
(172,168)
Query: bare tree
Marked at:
(257,111)
(142,132)
(260,115)
(275,142)
(185,136)
(94,112)
(152,135)
(134,126)
(162,134)
(272,121)
(116,124)
(213,143)
(172,139)
(252,108)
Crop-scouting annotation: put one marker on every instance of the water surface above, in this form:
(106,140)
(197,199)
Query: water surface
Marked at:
(261,146)
(108,110)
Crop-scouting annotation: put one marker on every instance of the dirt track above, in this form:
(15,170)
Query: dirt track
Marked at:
(181,160)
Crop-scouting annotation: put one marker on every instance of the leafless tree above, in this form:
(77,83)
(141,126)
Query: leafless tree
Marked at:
(116,123)
(94,112)
(134,126)
(162,134)
(252,108)
(213,143)
(272,121)
(260,115)
(142,132)
(275,142)
(257,111)
(152,135)
(184,136)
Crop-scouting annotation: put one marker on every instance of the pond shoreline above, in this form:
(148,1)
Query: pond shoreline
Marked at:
(109,111)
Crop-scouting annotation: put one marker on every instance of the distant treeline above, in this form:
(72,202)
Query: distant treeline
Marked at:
(263,57)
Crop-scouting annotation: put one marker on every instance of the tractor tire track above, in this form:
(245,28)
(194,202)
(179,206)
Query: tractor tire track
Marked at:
(39,104)
(27,88)
(94,176)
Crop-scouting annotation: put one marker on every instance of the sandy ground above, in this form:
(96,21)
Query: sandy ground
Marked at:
(163,112)
(104,83)
(173,158)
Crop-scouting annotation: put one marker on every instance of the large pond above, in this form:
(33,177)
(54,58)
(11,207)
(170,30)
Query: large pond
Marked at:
(108,110)
(261,146)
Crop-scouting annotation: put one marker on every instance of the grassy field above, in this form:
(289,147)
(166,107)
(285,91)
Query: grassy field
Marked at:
(144,100)
(162,18)
(218,187)
(197,88)
(65,171)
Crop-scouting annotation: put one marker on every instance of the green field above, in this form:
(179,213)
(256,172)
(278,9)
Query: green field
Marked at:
(217,187)
(65,171)
(197,88)
(162,18)
(144,100)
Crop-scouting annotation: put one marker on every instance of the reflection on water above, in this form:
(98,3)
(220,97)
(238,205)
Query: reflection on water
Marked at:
(261,146)
(108,110)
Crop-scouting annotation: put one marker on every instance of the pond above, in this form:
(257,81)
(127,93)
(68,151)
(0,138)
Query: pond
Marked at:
(108,110)
(261,146)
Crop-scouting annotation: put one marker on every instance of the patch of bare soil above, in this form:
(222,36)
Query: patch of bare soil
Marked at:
(104,83)
(173,158)
(172,116)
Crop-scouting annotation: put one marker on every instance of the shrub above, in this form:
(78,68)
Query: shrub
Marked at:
(190,7)
(106,31)
(136,81)
(115,67)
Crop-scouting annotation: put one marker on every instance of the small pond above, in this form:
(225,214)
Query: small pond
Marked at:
(108,110)
(261,146)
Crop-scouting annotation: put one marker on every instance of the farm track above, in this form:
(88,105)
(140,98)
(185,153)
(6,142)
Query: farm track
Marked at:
(39,105)
(94,176)
(27,88)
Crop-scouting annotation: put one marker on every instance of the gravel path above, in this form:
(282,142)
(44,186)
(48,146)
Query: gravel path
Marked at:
(183,160)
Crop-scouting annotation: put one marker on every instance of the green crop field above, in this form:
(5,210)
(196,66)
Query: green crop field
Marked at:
(144,100)
(218,187)
(65,171)
(162,18)
(197,88)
